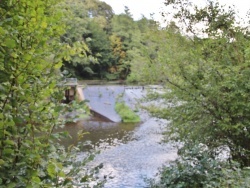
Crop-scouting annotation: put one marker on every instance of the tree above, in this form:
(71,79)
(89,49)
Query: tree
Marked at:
(30,57)
(151,63)
(125,38)
(87,35)
(208,81)
(101,13)
(100,47)
(79,59)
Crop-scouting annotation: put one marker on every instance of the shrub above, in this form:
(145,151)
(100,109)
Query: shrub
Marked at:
(126,113)
(197,166)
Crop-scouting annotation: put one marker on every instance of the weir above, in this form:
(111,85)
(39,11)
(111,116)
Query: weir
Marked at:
(102,99)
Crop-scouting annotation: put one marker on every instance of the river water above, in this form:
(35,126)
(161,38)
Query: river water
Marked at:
(130,153)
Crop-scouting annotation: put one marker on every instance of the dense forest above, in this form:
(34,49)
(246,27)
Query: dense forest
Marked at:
(110,45)
(204,69)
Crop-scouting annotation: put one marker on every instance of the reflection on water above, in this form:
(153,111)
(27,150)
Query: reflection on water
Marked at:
(127,165)
(101,133)
(130,153)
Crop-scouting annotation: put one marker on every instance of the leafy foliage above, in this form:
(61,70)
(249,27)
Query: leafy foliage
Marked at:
(206,72)
(209,88)
(79,59)
(198,167)
(125,40)
(100,47)
(104,45)
(30,57)
(158,47)
(86,34)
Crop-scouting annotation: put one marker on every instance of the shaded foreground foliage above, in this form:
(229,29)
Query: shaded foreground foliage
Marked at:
(198,167)
(30,57)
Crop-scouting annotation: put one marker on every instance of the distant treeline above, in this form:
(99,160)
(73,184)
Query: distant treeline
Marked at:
(107,46)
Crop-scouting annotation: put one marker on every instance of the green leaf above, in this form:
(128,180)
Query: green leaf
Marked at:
(1,162)
(8,151)
(36,180)
(51,170)
(10,43)
(44,25)
(89,70)
(9,142)
(61,174)
(27,57)
(14,55)
(2,32)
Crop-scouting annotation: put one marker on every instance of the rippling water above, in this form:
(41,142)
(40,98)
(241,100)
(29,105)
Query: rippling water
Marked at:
(101,133)
(130,153)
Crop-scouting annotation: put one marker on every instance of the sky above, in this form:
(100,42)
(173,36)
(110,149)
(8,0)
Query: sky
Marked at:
(137,7)
(146,7)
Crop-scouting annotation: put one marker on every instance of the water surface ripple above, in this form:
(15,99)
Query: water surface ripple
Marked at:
(127,163)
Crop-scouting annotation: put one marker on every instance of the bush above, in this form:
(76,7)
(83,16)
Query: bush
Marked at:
(126,113)
(30,108)
(208,81)
(198,167)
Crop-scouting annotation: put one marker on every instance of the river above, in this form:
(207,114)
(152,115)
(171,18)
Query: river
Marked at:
(130,152)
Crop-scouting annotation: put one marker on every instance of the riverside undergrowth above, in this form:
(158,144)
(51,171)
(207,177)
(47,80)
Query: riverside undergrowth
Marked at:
(30,100)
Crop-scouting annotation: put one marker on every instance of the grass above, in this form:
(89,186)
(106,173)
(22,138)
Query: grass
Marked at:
(127,115)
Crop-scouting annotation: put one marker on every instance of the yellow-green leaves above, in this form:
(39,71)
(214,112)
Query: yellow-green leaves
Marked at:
(27,57)
(1,163)
(55,169)
(10,43)
(44,25)
(2,31)
(30,58)
(29,34)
